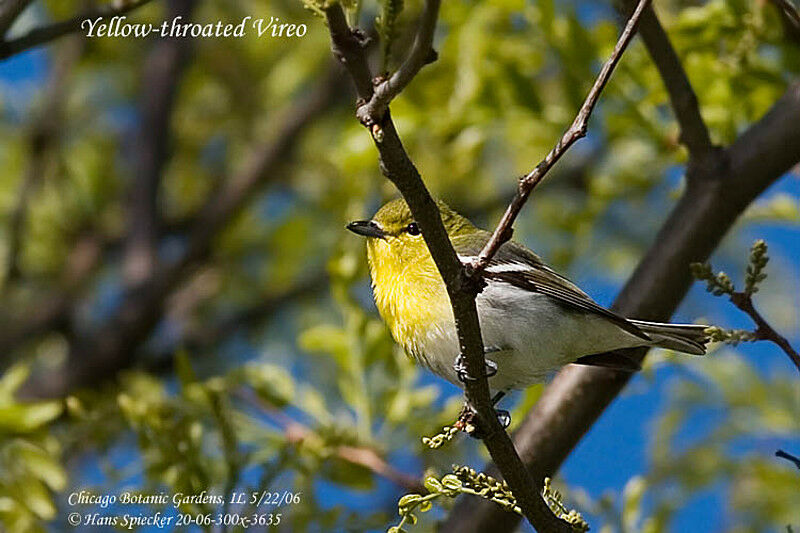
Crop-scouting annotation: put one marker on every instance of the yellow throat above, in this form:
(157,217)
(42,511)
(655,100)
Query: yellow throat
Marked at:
(409,292)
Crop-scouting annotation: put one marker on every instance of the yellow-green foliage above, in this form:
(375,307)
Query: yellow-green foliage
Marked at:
(31,466)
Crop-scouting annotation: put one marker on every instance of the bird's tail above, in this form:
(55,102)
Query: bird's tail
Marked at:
(687,338)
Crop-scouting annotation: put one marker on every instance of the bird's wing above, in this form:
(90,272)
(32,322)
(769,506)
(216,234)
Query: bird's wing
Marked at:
(516,265)
(619,360)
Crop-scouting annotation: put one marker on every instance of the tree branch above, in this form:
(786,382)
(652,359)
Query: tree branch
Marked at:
(100,353)
(361,456)
(764,331)
(369,459)
(705,212)
(162,73)
(256,313)
(223,205)
(43,35)
(43,140)
(789,457)
(720,284)
(9,11)
(398,168)
(39,143)
(693,131)
(51,311)
(421,54)
(198,340)
(577,130)
(790,18)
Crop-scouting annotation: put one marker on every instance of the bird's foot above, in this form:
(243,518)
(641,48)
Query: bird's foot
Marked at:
(460,366)
(468,421)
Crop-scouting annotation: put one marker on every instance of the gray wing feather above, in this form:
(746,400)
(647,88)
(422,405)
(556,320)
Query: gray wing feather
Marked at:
(541,279)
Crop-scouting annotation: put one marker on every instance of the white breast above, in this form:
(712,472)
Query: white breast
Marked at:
(535,333)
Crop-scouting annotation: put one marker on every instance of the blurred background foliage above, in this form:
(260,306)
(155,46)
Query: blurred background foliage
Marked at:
(264,365)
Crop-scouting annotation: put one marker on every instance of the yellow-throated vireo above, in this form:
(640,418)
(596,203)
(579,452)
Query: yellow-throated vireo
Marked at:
(533,320)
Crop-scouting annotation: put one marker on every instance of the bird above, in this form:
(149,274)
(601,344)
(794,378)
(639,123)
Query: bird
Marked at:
(533,320)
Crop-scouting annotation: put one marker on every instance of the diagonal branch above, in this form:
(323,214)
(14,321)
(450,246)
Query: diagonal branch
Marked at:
(693,131)
(575,132)
(199,340)
(9,11)
(162,74)
(706,211)
(790,18)
(421,54)
(764,331)
(258,170)
(363,456)
(43,35)
(51,311)
(372,461)
(256,313)
(789,457)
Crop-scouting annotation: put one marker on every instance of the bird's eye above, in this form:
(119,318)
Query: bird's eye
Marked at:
(413,229)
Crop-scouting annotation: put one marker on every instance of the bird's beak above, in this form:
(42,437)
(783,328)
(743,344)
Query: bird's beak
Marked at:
(367,228)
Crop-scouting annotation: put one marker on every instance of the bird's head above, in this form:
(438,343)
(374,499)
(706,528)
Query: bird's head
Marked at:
(393,234)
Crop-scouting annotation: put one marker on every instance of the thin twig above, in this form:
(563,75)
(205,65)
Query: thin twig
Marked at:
(421,54)
(789,457)
(764,331)
(45,34)
(576,131)
(363,456)
(371,460)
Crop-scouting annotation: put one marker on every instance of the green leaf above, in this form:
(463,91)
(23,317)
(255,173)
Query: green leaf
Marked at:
(348,474)
(23,418)
(183,368)
(273,383)
(12,379)
(41,464)
(329,340)
(37,498)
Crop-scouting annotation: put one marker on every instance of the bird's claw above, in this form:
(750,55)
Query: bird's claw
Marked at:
(460,365)
(504,417)
(491,368)
(468,423)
